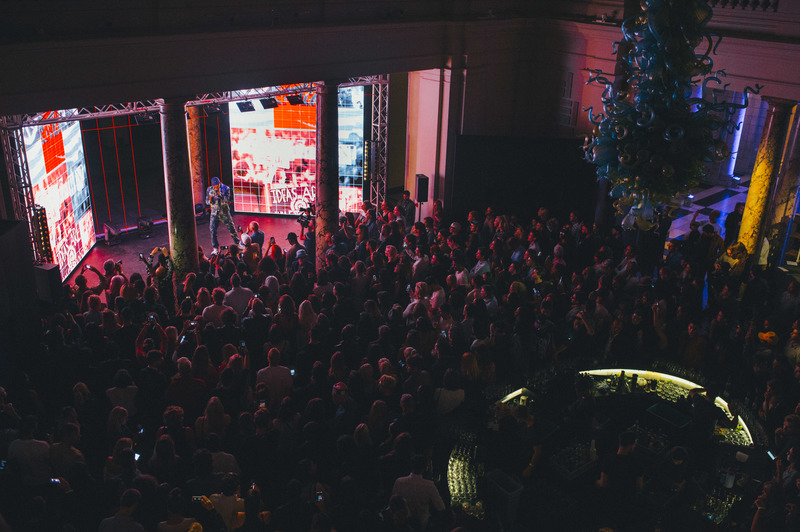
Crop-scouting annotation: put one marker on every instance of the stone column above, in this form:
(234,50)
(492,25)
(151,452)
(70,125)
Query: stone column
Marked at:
(178,185)
(787,180)
(768,159)
(327,166)
(197,153)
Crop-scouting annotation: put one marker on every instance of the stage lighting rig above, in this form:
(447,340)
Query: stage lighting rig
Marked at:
(113,234)
(210,109)
(145,227)
(269,103)
(295,99)
(246,106)
(145,118)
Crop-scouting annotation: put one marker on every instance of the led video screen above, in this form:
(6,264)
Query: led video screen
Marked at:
(60,185)
(274,150)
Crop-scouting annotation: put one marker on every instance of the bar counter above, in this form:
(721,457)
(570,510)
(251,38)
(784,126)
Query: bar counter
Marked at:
(654,403)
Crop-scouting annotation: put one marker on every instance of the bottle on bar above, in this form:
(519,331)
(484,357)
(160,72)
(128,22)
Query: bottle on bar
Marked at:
(622,384)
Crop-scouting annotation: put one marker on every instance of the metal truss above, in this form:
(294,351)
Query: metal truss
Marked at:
(19,179)
(379,135)
(17,162)
(86,113)
(119,109)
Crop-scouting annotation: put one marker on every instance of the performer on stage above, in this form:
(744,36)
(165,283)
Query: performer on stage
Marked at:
(218,197)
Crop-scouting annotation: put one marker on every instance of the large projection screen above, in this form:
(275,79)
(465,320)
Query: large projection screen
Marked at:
(273,154)
(60,185)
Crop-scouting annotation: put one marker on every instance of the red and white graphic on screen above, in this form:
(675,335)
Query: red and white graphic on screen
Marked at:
(52,144)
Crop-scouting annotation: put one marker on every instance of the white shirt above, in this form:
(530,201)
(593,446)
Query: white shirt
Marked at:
(238,298)
(419,494)
(480,268)
(278,380)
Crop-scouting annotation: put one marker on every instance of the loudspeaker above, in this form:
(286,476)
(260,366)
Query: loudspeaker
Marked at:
(48,282)
(422,188)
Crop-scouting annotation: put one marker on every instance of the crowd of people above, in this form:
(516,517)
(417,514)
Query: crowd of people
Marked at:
(260,394)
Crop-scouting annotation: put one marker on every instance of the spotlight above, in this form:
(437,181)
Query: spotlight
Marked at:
(295,99)
(113,235)
(691,196)
(210,109)
(145,227)
(245,107)
(269,103)
(737,178)
(146,118)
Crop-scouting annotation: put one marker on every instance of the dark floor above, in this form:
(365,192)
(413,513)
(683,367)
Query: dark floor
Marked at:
(131,245)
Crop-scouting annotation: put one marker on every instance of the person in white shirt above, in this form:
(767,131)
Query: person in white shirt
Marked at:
(29,456)
(792,350)
(238,297)
(482,266)
(213,312)
(421,296)
(419,493)
(228,504)
(278,378)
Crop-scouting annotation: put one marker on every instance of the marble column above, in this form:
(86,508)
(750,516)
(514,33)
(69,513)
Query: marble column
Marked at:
(197,153)
(178,185)
(327,221)
(768,158)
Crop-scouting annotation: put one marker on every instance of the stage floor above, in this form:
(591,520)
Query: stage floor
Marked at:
(131,245)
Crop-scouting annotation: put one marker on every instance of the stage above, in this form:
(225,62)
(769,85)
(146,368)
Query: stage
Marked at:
(131,245)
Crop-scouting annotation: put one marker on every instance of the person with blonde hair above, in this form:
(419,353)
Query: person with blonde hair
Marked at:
(307,318)
(113,467)
(214,421)
(117,424)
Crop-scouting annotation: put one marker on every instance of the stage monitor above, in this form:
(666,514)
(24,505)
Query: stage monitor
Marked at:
(274,153)
(61,186)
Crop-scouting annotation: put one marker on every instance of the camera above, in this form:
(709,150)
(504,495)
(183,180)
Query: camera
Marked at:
(305,217)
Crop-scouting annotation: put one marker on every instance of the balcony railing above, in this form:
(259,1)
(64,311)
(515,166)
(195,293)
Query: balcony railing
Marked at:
(763,5)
